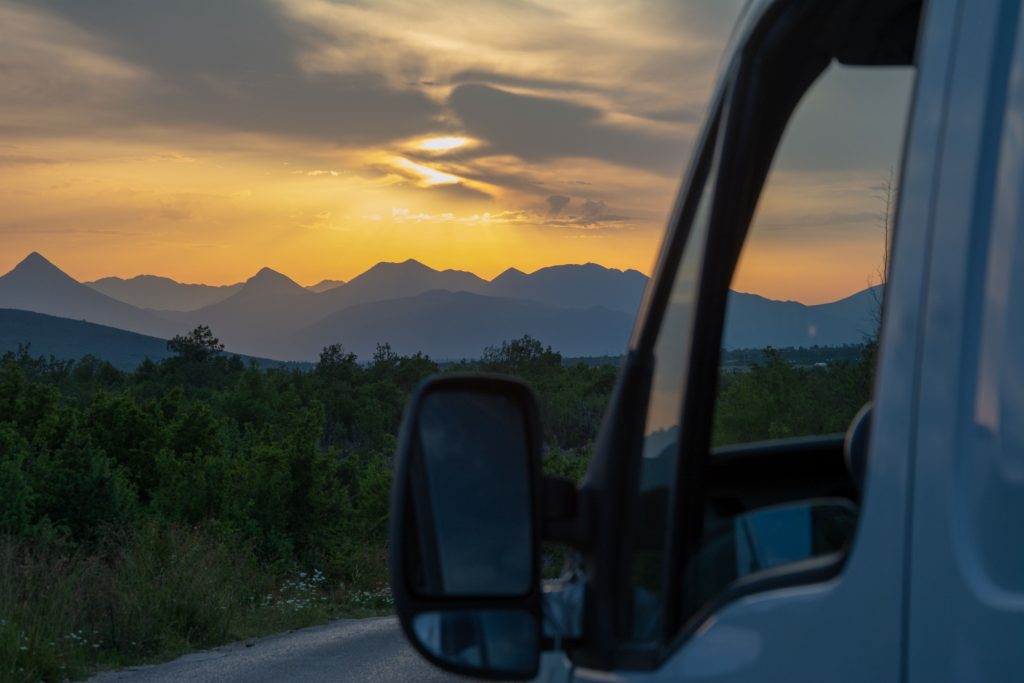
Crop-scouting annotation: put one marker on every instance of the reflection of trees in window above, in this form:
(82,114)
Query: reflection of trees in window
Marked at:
(885,192)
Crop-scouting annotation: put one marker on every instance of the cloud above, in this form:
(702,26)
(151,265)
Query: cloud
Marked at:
(592,215)
(25,160)
(402,215)
(827,218)
(681,114)
(594,212)
(352,74)
(235,66)
(481,76)
(714,18)
(556,203)
(459,191)
(539,128)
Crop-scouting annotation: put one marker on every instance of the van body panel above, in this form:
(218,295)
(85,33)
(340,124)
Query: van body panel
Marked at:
(966,580)
(851,628)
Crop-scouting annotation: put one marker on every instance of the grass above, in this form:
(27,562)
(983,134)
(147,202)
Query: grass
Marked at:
(150,595)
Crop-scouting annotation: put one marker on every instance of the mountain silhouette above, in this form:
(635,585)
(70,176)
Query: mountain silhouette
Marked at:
(753,321)
(324,285)
(574,286)
(162,293)
(267,304)
(270,307)
(270,282)
(37,285)
(396,280)
(580,310)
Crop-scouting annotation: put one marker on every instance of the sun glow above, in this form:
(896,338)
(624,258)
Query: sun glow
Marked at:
(429,176)
(441,144)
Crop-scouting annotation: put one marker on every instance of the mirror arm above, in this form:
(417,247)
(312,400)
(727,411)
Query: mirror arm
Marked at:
(566,513)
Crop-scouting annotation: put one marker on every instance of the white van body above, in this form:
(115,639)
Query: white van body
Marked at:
(931,588)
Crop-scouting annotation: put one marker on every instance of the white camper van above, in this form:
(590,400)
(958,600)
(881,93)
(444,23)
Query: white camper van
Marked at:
(891,552)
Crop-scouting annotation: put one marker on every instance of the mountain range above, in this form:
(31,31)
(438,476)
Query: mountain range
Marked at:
(37,285)
(163,293)
(580,310)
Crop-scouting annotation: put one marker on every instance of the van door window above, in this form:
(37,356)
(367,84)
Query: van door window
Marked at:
(802,322)
(804,306)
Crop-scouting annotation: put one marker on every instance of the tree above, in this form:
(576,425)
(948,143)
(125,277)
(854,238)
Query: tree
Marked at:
(384,356)
(887,190)
(335,361)
(198,345)
(520,356)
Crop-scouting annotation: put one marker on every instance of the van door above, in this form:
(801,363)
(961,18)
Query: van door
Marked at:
(966,589)
(743,536)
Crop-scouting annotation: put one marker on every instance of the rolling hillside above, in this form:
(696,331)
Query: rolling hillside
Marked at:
(72,339)
(754,322)
(67,339)
(450,325)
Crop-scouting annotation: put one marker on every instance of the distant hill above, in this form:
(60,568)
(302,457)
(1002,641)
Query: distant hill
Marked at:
(162,293)
(261,320)
(398,280)
(71,339)
(267,305)
(67,339)
(271,307)
(753,322)
(450,325)
(574,286)
(37,285)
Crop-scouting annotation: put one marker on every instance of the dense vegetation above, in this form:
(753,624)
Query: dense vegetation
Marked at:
(778,397)
(200,499)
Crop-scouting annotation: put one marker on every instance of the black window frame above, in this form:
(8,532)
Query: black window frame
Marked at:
(762,99)
(763,84)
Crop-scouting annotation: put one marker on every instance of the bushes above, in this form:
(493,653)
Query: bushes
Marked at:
(191,501)
(198,499)
(172,587)
(777,399)
(572,397)
(152,592)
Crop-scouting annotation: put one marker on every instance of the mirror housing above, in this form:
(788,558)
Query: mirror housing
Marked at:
(465,525)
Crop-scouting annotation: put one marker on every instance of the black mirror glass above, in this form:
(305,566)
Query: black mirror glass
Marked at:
(496,641)
(471,497)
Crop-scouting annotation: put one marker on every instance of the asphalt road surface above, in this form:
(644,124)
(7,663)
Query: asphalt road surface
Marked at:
(346,650)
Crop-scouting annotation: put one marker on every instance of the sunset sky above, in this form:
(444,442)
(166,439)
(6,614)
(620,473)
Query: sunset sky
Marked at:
(203,140)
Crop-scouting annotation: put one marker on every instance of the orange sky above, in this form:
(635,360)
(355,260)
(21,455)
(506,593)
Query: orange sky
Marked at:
(201,142)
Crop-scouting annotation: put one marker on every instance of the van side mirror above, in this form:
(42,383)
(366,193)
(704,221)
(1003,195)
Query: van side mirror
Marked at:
(465,570)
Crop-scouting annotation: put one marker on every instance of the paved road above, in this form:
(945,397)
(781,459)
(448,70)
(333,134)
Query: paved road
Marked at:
(346,650)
